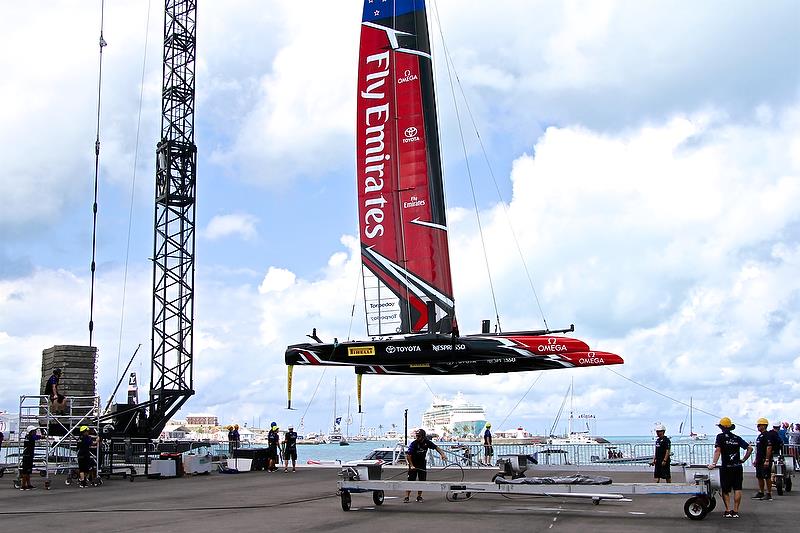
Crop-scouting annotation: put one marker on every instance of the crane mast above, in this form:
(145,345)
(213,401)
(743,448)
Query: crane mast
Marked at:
(172,342)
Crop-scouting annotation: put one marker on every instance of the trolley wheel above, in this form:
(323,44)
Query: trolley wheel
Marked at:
(131,478)
(779,485)
(694,508)
(47,485)
(346,501)
(42,473)
(68,481)
(596,501)
(377,497)
(16,483)
(788,484)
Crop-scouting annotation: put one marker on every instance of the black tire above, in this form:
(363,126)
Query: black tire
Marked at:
(694,508)
(378,497)
(788,484)
(779,485)
(42,473)
(712,503)
(346,501)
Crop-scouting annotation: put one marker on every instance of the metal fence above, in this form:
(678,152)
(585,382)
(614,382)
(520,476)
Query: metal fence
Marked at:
(472,455)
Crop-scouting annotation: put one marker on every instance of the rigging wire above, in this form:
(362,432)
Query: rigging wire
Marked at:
(520,400)
(102,44)
(466,162)
(314,395)
(449,61)
(713,415)
(353,308)
(133,189)
(425,381)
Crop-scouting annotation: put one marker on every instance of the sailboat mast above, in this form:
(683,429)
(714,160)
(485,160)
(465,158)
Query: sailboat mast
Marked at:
(571,398)
(691,425)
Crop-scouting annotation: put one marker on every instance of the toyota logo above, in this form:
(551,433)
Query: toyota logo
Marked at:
(390,349)
(411,132)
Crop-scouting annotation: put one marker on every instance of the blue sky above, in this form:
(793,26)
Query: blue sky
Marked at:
(647,156)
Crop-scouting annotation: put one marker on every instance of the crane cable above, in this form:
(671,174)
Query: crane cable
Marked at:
(133,189)
(102,43)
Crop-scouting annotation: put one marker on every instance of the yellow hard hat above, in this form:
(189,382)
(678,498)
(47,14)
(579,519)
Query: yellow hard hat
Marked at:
(762,421)
(83,428)
(725,422)
(488,424)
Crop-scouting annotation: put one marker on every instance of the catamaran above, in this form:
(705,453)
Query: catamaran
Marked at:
(408,294)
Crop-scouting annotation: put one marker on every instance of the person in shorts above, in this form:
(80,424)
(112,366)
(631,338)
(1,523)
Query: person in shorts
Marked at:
(661,458)
(58,402)
(28,451)
(273,441)
(86,458)
(763,461)
(488,449)
(290,449)
(416,456)
(727,447)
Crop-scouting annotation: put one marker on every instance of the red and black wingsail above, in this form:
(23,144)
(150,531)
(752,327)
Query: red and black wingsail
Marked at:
(402,223)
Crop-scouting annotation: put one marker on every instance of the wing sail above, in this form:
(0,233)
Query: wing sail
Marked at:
(402,222)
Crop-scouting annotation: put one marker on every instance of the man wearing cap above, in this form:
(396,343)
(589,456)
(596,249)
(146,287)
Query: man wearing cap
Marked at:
(416,457)
(488,449)
(58,402)
(763,460)
(727,447)
(290,449)
(661,459)
(28,451)
(86,462)
(273,440)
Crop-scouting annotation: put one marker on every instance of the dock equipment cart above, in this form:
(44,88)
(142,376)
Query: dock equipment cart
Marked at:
(701,486)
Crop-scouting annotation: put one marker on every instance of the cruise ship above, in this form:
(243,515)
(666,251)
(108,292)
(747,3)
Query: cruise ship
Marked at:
(456,418)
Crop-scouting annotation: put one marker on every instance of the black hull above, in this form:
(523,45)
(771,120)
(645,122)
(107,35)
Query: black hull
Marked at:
(444,354)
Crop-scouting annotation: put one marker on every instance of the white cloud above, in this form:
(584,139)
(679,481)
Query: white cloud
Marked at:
(241,225)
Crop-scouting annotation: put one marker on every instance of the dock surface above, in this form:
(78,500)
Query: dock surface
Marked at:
(307,501)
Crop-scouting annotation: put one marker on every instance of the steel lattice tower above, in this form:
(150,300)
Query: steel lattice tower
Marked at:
(174,238)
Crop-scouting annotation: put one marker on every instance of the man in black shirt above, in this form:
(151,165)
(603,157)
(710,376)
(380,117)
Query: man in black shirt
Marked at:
(727,447)
(58,402)
(273,440)
(763,460)
(416,456)
(290,449)
(661,459)
(86,457)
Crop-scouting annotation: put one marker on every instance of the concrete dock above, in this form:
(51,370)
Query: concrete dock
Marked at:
(307,501)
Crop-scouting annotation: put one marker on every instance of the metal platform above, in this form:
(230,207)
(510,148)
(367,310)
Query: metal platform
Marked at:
(700,503)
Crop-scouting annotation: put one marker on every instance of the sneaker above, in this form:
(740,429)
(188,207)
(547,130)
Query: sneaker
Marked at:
(758,496)
(734,514)
(767,498)
(727,514)
(294,470)
(285,469)
(405,500)
(419,499)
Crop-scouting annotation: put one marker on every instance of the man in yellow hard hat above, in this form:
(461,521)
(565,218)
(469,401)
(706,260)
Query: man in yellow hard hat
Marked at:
(488,449)
(763,461)
(727,447)
(86,458)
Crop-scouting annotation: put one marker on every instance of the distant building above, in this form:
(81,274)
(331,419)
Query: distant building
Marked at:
(202,420)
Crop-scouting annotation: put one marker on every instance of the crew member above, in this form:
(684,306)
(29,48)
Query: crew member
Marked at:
(727,447)
(488,449)
(416,457)
(28,451)
(661,459)
(236,439)
(290,449)
(763,461)
(273,440)
(86,461)
(58,402)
